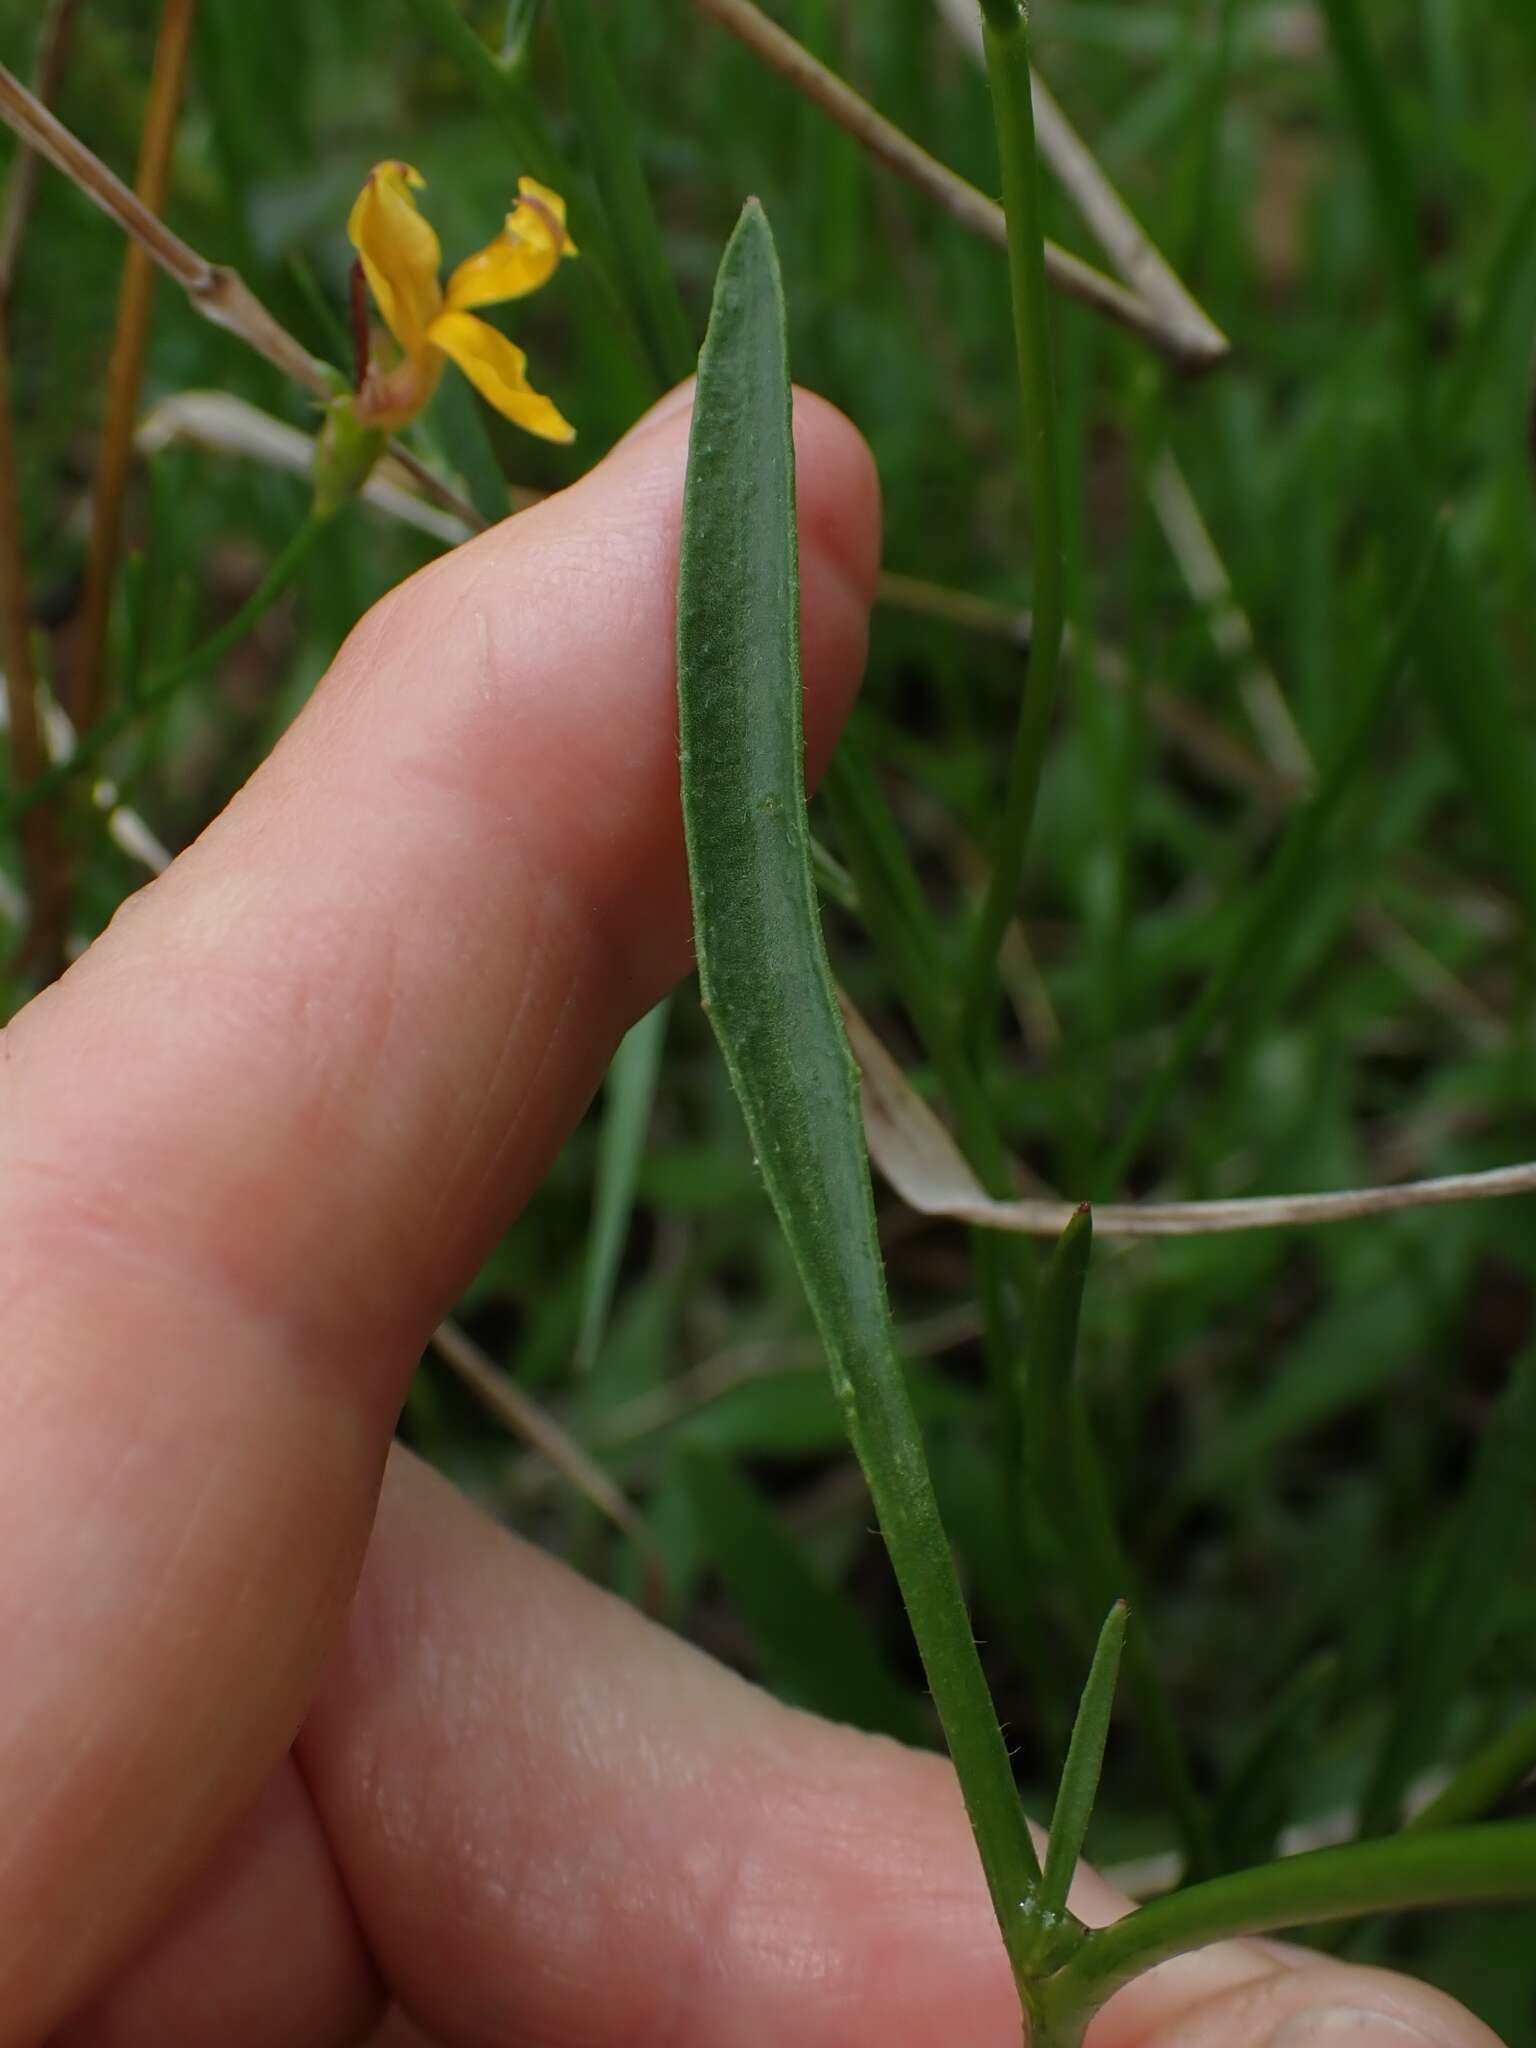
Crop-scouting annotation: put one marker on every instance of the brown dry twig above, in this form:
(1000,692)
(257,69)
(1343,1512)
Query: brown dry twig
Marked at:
(523,1416)
(923,1164)
(1190,347)
(1123,239)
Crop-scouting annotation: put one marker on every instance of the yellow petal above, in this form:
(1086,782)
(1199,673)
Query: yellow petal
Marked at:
(400,252)
(523,256)
(496,368)
(540,211)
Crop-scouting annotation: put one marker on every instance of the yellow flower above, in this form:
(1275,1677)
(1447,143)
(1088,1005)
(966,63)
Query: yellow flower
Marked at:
(401,256)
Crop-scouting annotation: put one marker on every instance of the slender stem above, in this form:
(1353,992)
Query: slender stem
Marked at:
(1193,349)
(1496,1862)
(160,688)
(1008,69)
(126,368)
(43,855)
(1121,236)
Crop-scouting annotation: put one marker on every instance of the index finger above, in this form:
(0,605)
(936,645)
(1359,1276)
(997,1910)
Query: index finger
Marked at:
(256,1141)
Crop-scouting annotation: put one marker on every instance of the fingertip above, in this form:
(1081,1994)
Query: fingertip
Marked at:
(839,492)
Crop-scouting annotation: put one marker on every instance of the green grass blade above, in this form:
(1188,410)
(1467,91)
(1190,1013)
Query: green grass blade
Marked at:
(1066,1481)
(503,91)
(1490,1527)
(1468,682)
(1007,47)
(1369,95)
(1484,1780)
(1080,1778)
(1278,894)
(816,1646)
(1256,1800)
(628,1095)
(603,116)
(768,987)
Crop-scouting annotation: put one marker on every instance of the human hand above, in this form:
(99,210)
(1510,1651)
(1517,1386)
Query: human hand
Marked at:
(254,1144)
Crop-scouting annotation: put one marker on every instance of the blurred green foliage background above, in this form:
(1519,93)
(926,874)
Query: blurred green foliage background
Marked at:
(1301,1427)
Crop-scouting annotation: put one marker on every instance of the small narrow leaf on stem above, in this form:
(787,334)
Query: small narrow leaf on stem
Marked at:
(1080,1778)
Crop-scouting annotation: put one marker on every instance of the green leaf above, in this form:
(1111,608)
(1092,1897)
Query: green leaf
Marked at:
(603,117)
(629,1092)
(1080,1778)
(1066,1480)
(768,988)
(1257,1798)
(1484,1780)
(1492,1527)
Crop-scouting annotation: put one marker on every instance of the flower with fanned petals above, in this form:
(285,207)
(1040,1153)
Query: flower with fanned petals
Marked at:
(400,257)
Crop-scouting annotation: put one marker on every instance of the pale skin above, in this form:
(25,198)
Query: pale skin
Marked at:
(296,1747)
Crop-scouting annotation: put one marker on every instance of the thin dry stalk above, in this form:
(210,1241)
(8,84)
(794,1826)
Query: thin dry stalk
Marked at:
(125,370)
(221,424)
(42,851)
(218,293)
(1209,584)
(924,1166)
(537,1427)
(960,199)
(53,38)
(1123,239)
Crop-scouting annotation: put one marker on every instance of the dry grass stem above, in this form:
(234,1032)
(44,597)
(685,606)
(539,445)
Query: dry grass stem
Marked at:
(505,1399)
(924,1166)
(972,208)
(221,424)
(1123,239)
(125,369)
(53,40)
(1209,584)
(217,292)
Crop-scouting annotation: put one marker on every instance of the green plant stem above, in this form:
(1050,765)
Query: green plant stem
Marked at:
(1458,1866)
(1007,46)
(158,689)
(1065,1476)
(609,135)
(769,995)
